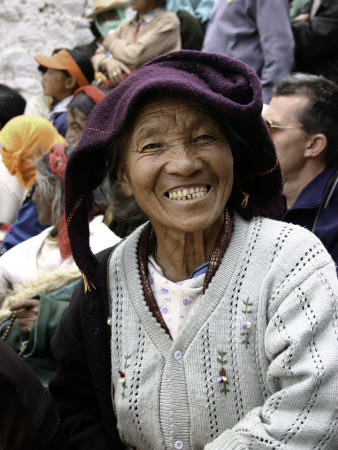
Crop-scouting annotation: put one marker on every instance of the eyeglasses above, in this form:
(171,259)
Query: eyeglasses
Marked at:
(271,126)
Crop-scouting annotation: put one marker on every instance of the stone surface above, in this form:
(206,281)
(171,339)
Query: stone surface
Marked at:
(28,27)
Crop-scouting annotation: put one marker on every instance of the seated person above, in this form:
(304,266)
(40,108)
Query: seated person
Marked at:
(302,117)
(24,139)
(315,29)
(152,31)
(211,326)
(83,101)
(64,72)
(43,264)
(107,16)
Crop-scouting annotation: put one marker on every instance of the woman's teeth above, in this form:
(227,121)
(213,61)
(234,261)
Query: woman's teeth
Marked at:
(188,194)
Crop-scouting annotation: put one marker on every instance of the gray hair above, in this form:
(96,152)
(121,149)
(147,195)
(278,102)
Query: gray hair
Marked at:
(50,183)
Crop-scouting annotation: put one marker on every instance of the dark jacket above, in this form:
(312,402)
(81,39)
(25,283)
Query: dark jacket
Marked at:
(306,207)
(28,419)
(87,414)
(317,40)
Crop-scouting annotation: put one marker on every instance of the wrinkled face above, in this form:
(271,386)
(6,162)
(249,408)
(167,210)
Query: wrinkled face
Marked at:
(178,165)
(76,120)
(43,198)
(54,83)
(291,142)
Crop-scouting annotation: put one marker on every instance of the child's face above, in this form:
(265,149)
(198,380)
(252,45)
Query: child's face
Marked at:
(54,83)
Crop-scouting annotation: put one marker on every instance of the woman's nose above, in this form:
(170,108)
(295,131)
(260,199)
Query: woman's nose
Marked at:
(185,163)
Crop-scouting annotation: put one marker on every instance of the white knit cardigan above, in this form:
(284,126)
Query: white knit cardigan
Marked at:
(255,366)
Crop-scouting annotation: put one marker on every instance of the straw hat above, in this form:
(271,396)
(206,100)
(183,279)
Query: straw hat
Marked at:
(101,6)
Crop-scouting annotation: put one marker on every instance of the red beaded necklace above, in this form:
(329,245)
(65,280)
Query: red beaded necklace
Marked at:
(148,242)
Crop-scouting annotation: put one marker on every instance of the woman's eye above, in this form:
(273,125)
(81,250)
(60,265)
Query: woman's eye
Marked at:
(204,138)
(151,146)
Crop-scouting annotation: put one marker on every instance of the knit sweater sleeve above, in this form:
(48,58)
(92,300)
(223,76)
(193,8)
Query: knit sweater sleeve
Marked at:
(302,353)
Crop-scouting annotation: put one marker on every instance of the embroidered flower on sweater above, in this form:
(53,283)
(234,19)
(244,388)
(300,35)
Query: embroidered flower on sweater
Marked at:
(222,374)
(123,376)
(246,325)
(247,305)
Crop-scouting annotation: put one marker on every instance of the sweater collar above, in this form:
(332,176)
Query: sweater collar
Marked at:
(146,243)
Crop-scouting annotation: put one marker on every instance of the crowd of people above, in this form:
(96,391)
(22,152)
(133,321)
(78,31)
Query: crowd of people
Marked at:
(169,232)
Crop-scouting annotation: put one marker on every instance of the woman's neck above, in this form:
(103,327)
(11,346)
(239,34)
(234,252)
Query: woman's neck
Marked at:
(180,253)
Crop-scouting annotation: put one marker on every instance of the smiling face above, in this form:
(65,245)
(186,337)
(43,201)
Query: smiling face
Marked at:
(178,164)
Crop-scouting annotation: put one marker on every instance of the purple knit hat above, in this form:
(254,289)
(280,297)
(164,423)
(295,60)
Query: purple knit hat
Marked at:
(226,86)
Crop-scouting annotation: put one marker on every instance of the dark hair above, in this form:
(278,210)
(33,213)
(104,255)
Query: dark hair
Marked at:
(82,102)
(94,30)
(11,104)
(84,62)
(320,114)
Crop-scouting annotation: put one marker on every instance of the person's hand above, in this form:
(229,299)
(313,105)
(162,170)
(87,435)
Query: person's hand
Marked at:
(115,70)
(27,313)
(305,17)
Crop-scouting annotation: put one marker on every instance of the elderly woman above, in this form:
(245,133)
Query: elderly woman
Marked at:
(23,140)
(34,269)
(210,326)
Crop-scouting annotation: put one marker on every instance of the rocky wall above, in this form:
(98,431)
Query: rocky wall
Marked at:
(28,27)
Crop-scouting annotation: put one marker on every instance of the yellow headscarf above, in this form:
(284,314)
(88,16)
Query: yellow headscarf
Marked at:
(25,139)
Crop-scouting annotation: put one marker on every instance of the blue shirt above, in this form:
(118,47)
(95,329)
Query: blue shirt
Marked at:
(304,211)
(26,226)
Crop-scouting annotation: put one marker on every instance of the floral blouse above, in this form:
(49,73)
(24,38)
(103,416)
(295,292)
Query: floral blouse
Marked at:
(176,301)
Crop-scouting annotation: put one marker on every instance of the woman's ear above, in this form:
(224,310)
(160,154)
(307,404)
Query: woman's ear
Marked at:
(123,179)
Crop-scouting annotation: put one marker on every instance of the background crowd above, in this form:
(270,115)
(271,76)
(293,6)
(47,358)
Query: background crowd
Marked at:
(291,45)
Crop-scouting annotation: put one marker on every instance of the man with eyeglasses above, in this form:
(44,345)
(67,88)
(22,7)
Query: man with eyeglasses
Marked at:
(302,118)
